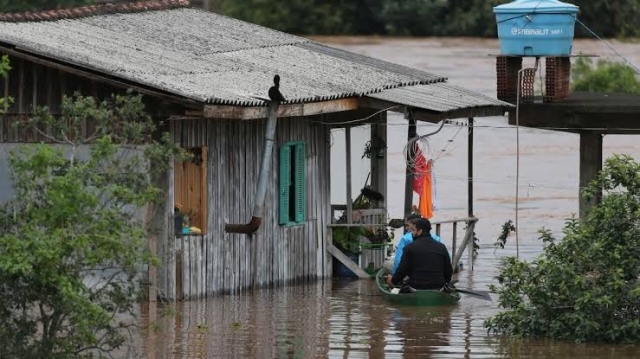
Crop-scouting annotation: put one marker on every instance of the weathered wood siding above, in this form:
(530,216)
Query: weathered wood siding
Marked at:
(219,262)
(32,85)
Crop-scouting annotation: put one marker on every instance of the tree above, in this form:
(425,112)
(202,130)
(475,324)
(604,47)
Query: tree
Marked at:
(72,248)
(586,287)
(605,76)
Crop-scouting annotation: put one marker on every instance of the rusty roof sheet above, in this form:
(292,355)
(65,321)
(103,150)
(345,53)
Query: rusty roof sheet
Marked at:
(443,98)
(110,7)
(206,56)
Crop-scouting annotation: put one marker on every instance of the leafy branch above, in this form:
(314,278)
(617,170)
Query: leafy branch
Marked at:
(507,228)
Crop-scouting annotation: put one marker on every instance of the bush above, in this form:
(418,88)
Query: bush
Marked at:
(605,76)
(71,249)
(584,288)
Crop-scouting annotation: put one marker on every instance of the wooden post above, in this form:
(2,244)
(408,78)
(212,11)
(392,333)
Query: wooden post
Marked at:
(408,183)
(347,136)
(253,238)
(590,165)
(162,235)
(379,158)
(470,168)
(455,239)
(469,189)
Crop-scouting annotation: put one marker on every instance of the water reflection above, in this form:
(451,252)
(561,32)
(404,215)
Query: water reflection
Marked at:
(345,319)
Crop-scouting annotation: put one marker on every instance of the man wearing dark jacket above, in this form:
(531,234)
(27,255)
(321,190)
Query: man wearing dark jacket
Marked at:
(425,261)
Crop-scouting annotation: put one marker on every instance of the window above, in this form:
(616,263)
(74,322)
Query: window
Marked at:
(190,189)
(292,186)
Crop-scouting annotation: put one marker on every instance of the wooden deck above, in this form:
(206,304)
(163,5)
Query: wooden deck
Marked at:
(596,112)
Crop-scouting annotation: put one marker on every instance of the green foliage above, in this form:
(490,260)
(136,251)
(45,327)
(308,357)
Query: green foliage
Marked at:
(4,69)
(605,76)
(348,238)
(302,16)
(608,18)
(32,5)
(586,287)
(507,229)
(71,249)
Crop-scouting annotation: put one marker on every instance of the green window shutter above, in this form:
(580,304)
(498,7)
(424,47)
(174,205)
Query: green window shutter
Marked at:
(300,182)
(285,175)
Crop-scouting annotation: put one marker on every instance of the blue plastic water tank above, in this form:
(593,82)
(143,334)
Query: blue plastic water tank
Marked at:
(536,27)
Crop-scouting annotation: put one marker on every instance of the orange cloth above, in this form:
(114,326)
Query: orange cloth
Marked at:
(422,183)
(426,195)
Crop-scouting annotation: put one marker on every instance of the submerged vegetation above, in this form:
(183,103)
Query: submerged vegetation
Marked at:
(604,76)
(585,287)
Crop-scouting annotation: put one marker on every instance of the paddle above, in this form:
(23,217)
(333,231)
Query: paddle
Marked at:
(478,294)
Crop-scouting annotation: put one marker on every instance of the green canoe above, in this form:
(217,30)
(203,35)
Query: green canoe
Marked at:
(421,298)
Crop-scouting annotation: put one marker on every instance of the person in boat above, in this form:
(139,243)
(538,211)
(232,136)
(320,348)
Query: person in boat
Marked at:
(406,239)
(425,260)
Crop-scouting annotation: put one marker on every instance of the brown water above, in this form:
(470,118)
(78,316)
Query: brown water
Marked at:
(348,319)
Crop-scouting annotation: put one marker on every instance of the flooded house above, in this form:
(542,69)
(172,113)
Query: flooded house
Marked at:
(257,191)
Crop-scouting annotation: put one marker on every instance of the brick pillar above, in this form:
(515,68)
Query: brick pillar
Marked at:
(507,74)
(558,74)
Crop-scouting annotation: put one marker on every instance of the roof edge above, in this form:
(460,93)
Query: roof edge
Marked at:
(94,10)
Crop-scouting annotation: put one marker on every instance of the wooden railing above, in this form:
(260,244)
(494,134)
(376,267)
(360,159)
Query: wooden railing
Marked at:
(467,239)
(457,253)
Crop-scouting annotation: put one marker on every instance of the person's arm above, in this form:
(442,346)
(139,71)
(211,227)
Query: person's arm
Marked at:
(403,268)
(406,239)
(436,237)
(447,269)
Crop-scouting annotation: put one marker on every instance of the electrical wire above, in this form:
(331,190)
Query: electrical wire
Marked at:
(629,63)
(358,119)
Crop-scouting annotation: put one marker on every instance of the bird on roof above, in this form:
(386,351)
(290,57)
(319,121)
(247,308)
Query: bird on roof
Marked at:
(274,91)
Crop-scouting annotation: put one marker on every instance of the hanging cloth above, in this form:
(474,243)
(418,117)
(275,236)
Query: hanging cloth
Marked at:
(426,196)
(422,182)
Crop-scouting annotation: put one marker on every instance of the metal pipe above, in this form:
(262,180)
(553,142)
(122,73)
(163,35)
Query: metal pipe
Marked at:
(258,203)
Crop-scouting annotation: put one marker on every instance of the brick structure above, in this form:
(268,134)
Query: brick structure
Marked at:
(558,73)
(507,70)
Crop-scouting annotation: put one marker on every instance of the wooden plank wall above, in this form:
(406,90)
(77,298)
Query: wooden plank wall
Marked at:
(32,85)
(218,262)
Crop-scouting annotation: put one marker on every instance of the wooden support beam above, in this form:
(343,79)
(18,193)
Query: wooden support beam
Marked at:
(337,254)
(285,110)
(347,137)
(408,182)
(590,166)
(379,157)
(468,236)
(470,168)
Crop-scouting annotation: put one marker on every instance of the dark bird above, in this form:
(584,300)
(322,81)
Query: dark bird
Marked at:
(274,91)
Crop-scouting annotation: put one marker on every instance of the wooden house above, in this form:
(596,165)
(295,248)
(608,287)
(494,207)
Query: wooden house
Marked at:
(208,75)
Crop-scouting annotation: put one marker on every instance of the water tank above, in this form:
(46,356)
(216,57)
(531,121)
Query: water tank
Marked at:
(536,27)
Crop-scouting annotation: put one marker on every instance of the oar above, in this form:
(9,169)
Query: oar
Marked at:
(478,294)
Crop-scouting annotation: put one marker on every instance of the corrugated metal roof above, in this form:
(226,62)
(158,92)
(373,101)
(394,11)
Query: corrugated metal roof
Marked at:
(209,57)
(442,98)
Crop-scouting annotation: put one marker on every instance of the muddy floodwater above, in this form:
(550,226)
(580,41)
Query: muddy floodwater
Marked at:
(347,318)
